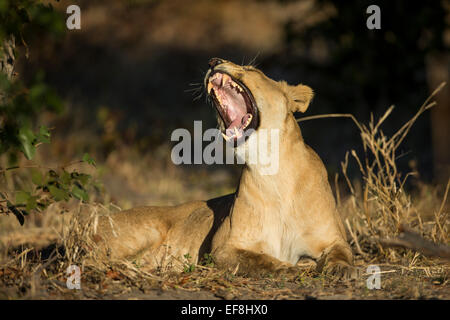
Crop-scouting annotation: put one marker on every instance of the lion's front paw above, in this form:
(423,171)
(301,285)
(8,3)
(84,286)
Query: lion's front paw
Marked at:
(287,270)
(341,271)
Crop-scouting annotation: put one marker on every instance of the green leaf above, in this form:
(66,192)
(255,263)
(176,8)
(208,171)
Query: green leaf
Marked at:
(37,177)
(58,194)
(83,178)
(26,138)
(4,5)
(80,193)
(44,135)
(88,159)
(65,178)
(22,197)
(31,203)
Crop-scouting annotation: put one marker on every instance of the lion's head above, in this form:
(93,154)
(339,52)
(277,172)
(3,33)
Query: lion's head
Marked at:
(246,100)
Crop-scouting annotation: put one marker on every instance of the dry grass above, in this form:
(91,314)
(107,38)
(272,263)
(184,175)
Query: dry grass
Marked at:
(34,259)
(381,204)
(378,203)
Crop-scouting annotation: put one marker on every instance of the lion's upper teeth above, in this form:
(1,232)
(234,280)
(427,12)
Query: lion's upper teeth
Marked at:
(237,86)
(210,86)
(225,79)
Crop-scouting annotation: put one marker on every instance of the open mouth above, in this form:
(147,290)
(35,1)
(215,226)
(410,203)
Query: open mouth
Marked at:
(235,105)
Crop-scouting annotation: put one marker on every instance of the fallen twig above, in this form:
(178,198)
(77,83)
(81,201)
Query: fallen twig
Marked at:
(411,240)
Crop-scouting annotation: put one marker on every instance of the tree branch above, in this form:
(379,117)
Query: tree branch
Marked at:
(412,240)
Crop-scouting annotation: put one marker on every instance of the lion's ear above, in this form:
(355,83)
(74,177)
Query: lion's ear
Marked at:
(300,96)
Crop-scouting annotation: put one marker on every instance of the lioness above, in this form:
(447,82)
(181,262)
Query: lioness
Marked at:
(271,221)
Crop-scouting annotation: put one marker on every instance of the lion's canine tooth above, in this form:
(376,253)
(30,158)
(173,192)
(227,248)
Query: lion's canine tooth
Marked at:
(236,132)
(225,79)
(210,86)
(250,117)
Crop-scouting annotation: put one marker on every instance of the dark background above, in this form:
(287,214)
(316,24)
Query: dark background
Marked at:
(129,76)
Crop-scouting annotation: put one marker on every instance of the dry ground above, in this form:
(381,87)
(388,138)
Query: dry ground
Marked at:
(34,258)
(35,270)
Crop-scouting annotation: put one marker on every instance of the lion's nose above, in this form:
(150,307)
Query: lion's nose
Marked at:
(214,62)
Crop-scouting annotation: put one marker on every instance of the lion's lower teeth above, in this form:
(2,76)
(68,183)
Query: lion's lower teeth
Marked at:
(248,121)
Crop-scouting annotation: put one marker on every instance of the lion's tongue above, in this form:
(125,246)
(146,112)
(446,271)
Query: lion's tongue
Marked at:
(236,111)
(237,126)
(234,105)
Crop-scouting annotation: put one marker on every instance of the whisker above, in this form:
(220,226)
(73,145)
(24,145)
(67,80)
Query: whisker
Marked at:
(197,91)
(253,61)
(198,96)
(193,89)
(243,60)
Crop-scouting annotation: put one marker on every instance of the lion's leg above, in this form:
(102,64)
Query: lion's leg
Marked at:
(247,262)
(337,259)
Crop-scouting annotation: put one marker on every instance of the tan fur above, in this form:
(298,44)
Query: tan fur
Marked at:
(267,225)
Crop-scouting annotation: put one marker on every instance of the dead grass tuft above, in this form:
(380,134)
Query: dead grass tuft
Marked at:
(380,204)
